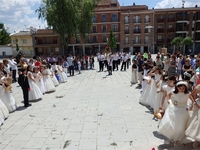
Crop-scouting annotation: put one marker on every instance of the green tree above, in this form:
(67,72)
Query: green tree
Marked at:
(4,35)
(187,41)
(112,40)
(68,17)
(178,42)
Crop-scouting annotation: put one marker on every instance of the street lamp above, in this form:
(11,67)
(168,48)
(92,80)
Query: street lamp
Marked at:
(149,30)
(129,29)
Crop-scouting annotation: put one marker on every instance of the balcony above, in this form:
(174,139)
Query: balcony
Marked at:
(137,21)
(171,19)
(198,18)
(94,31)
(146,31)
(94,41)
(182,19)
(184,29)
(114,19)
(146,20)
(126,22)
(104,40)
(170,30)
(136,31)
(104,30)
(146,41)
(160,41)
(160,30)
(137,41)
(126,31)
(161,20)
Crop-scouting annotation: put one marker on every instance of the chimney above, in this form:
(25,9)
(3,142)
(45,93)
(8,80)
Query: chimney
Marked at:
(133,4)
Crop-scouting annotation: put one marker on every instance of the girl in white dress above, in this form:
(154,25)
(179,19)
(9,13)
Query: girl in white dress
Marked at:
(174,122)
(193,129)
(38,79)
(145,75)
(134,72)
(3,109)
(79,66)
(62,74)
(159,94)
(151,97)
(145,92)
(167,90)
(6,97)
(52,75)
(34,92)
(48,83)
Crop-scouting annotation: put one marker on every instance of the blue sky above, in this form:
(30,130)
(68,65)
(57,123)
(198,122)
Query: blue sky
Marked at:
(18,15)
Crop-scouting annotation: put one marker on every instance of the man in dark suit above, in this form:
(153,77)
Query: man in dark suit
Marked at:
(23,82)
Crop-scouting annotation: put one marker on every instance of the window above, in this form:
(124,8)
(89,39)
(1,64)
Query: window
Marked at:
(126,40)
(170,16)
(160,27)
(114,28)
(94,29)
(126,30)
(114,18)
(147,19)
(14,41)
(55,41)
(126,20)
(94,39)
(137,19)
(103,28)
(136,29)
(24,41)
(103,18)
(160,16)
(146,39)
(170,26)
(104,38)
(160,37)
(116,36)
(136,40)
(94,19)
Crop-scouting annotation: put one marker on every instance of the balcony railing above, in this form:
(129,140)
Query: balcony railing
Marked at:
(161,19)
(136,31)
(170,30)
(115,30)
(182,29)
(160,41)
(103,20)
(114,19)
(137,41)
(126,32)
(126,22)
(104,30)
(171,19)
(94,31)
(136,20)
(160,30)
(45,43)
(94,41)
(182,19)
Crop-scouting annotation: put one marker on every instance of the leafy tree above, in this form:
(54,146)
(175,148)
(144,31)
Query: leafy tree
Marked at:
(68,17)
(178,42)
(187,41)
(112,40)
(4,35)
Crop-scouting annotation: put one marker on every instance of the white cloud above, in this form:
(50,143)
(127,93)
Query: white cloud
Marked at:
(177,3)
(18,15)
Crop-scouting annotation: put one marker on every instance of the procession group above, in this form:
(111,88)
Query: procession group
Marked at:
(170,88)
(36,77)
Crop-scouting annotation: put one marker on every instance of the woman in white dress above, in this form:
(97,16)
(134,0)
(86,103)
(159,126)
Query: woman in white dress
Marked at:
(6,97)
(34,92)
(174,122)
(38,79)
(48,83)
(4,113)
(166,63)
(62,74)
(193,130)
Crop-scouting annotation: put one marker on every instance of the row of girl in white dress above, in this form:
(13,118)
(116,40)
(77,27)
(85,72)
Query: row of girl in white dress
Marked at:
(162,93)
(44,81)
(7,101)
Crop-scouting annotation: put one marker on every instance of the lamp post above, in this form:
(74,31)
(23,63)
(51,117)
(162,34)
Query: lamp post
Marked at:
(149,30)
(129,29)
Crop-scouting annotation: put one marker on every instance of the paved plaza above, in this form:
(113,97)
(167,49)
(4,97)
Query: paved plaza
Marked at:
(92,111)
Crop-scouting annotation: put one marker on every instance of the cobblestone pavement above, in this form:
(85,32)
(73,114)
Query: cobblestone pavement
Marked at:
(92,111)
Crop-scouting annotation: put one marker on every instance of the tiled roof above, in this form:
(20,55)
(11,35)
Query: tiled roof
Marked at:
(21,33)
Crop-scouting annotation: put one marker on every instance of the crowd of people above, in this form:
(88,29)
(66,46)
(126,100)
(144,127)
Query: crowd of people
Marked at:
(36,77)
(170,89)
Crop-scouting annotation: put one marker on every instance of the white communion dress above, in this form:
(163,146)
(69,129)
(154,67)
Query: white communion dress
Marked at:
(48,83)
(34,92)
(145,94)
(4,113)
(62,74)
(174,122)
(39,82)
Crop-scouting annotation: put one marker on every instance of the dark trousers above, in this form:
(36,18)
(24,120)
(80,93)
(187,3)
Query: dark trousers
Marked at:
(25,95)
(101,65)
(128,63)
(106,63)
(71,70)
(123,65)
(14,75)
(115,64)
(109,70)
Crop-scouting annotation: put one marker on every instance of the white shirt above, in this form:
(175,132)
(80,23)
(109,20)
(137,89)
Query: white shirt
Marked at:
(70,61)
(12,64)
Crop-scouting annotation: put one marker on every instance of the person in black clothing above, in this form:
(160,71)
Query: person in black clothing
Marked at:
(23,82)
